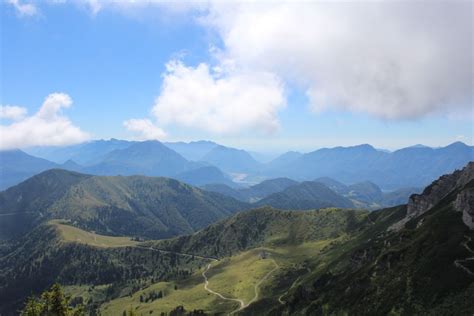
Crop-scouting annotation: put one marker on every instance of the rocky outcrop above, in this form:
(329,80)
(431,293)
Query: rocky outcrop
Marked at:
(465,203)
(418,204)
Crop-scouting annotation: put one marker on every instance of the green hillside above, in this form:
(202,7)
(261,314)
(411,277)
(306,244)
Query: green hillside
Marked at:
(424,268)
(94,269)
(304,196)
(133,206)
(413,259)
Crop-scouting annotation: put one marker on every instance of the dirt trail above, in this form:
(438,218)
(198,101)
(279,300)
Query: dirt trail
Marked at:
(458,262)
(282,302)
(206,281)
(206,287)
(257,286)
(240,301)
(176,253)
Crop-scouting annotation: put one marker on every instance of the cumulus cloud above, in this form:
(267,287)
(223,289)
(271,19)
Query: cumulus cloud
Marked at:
(47,127)
(391,59)
(24,9)
(12,112)
(219,100)
(144,129)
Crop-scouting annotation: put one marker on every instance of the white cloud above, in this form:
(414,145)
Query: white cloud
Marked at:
(47,127)
(24,9)
(12,112)
(145,129)
(392,59)
(222,100)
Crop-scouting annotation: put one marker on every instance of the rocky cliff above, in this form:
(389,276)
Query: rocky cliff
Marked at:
(418,204)
(465,203)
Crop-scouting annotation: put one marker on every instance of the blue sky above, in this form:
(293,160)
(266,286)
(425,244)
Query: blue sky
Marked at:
(111,62)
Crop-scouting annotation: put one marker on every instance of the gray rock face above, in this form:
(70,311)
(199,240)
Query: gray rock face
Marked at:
(465,203)
(418,204)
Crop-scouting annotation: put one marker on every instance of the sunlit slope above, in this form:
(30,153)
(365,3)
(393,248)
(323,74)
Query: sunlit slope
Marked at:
(425,268)
(55,252)
(70,233)
(113,205)
(278,247)
(266,227)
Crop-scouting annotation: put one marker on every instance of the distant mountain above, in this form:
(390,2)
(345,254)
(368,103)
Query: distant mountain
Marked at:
(115,157)
(231,160)
(150,158)
(253,193)
(225,190)
(72,166)
(398,197)
(84,154)
(263,157)
(334,185)
(283,159)
(408,167)
(134,206)
(16,166)
(306,195)
(204,175)
(267,187)
(368,195)
(193,151)
(366,191)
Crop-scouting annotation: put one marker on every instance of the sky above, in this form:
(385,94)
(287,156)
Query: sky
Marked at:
(264,76)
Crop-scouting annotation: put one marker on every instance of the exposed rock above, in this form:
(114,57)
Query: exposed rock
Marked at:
(465,203)
(418,204)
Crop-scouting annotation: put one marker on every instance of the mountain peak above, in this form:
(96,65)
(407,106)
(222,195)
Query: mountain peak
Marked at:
(457,144)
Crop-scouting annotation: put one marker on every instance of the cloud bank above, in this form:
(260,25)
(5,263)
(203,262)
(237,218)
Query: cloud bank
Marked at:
(47,127)
(393,60)
(12,112)
(218,100)
(144,129)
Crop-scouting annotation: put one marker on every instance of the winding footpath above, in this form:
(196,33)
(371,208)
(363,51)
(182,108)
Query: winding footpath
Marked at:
(282,302)
(458,263)
(206,287)
(176,253)
(241,302)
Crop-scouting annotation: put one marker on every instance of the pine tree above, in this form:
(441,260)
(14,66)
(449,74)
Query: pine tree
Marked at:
(52,302)
(32,308)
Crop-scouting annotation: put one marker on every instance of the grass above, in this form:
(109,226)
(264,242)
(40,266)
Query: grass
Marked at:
(189,293)
(236,276)
(233,277)
(87,292)
(73,234)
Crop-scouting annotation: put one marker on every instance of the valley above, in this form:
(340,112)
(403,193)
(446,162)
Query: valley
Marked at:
(246,261)
(243,158)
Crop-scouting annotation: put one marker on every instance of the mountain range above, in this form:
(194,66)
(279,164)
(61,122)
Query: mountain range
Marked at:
(414,166)
(322,192)
(407,167)
(411,167)
(136,205)
(409,259)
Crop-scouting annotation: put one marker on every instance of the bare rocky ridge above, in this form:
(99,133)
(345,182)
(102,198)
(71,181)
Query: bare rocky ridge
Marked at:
(465,203)
(418,204)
